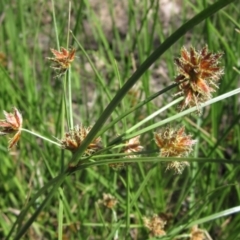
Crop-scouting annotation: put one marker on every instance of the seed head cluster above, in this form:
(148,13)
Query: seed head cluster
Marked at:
(132,146)
(108,200)
(198,75)
(174,143)
(74,138)
(199,234)
(156,225)
(62,59)
(11,124)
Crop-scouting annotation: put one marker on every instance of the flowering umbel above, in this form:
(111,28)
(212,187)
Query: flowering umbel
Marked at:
(155,224)
(174,143)
(198,74)
(74,138)
(62,59)
(12,124)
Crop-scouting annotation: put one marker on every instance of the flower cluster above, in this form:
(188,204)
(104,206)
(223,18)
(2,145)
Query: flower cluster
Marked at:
(108,200)
(156,225)
(132,146)
(174,143)
(198,74)
(74,138)
(62,59)
(12,124)
(199,234)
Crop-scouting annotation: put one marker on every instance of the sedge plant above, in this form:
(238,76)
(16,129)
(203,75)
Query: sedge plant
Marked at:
(148,140)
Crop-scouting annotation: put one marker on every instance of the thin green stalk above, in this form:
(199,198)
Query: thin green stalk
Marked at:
(194,169)
(66,103)
(128,203)
(103,85)
(40,136)
(142,69)
(153,115)
(40,192)
(212,217)
(26,226)
(156,159)
(70,98)
(114,216)
(60,213)
(181,114)
(69,82)
(69,22)
(55,25)
(141,187)
(110,225)
(113,122)
(66,108)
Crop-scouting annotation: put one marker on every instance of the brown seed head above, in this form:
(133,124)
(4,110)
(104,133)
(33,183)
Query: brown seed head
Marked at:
(74,138)
(62,59)
(108,200)
(199,234)
(198,74)
(12,124)
(174,143)
(133,146)
(155,224)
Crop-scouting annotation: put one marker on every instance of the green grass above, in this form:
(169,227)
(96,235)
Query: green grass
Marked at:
(57,202)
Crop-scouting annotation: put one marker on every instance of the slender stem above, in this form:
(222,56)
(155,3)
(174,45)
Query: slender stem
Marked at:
(69,20)
(114,215)
(40,136)
(154,114)
(110,225)
(60,213)
(70,98)
(69,75)
(142,103)
(68,109)
(128,204)
(65,101)
(55,25)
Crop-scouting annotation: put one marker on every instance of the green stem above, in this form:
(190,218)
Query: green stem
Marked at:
(69,82)
(69,21)
(113,122)
(114,215)
(60,213)
(70,98)
(40,136)
(128,204)
(154,114)
(55,25)
(26,226)
(32,202)
(156,159)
